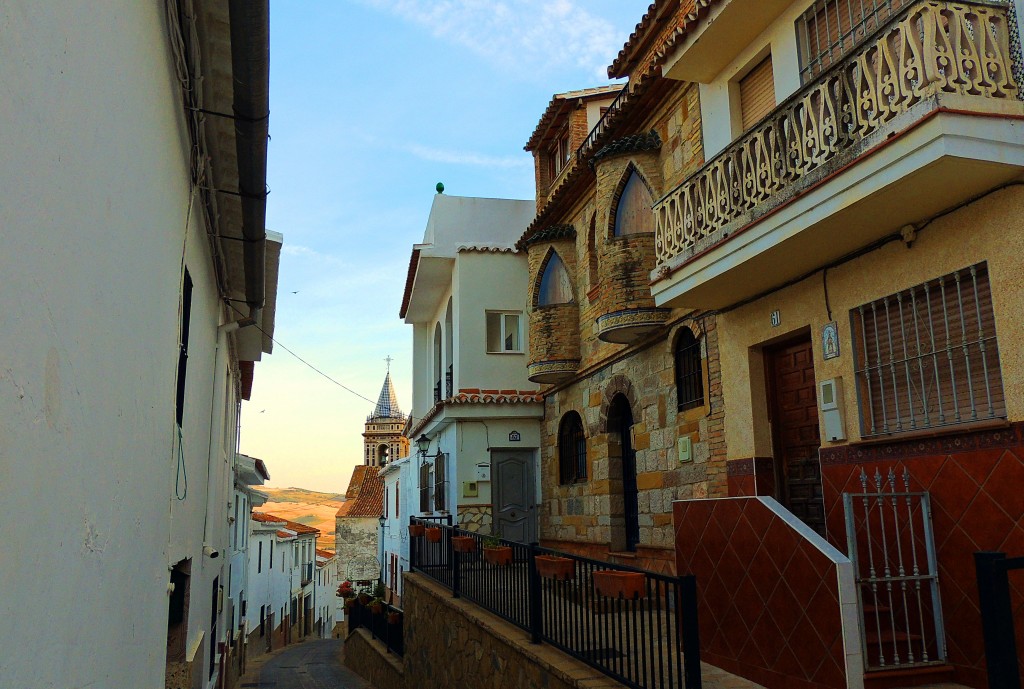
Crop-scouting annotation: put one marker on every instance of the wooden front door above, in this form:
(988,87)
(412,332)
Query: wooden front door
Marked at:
(795,434)
(515,516)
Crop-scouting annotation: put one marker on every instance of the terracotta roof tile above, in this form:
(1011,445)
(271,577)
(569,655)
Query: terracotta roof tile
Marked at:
(324,553)
(365,494)
(550,234)
(560,102)
(265,518)
(629,144)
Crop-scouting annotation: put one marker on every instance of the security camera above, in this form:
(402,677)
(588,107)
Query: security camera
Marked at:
(211,552)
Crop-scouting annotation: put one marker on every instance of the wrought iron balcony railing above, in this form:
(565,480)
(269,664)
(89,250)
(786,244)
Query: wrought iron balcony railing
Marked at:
(929,48)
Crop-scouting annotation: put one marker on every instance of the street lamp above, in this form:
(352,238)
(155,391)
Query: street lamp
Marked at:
(423,443)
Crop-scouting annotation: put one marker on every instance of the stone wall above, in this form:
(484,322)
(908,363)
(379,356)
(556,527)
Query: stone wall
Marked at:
(476,518)
(452,644)
(355,539)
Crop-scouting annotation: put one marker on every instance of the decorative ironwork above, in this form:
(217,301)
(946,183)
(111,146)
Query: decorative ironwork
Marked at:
(448,376)
(889,533)
(645,640)
(930,48)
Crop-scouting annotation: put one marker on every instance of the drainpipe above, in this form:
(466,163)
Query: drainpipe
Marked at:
(250,67)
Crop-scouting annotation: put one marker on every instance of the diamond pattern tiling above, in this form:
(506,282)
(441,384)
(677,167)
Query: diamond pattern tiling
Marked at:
(1006,484)
(978,464)
(807,646)
(769,638)
(785,608)
(986,523)
(956,486)
(800,575)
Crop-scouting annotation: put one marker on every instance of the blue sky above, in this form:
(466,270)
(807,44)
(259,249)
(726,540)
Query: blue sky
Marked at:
(372,103)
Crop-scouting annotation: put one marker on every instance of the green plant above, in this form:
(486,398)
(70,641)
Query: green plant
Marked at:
(493,540)
(378,590)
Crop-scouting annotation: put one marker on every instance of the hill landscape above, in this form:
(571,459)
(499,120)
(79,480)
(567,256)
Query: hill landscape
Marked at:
(305,507)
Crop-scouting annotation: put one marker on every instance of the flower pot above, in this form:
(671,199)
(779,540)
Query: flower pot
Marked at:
(394,617)
(433,534)
(615,584)
(376,608)
(350,604)
(416,530)
(553,567)
(364,598)
(464,544)
(498,555)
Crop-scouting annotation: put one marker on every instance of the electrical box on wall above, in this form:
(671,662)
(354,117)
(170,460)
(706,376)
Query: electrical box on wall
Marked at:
(470,489)
(483,471)
(685,448)
(830,397)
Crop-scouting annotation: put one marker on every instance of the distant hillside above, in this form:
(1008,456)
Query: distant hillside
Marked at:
(305,507)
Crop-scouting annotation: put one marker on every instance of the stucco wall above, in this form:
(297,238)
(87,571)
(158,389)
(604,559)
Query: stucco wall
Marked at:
(987,230)
(355,538)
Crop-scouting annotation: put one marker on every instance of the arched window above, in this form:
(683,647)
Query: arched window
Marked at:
(555,287)
(689,373)
(593,274)
(572,449)
(634,214)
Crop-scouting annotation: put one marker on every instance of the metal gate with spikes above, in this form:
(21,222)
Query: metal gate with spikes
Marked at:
(892,546)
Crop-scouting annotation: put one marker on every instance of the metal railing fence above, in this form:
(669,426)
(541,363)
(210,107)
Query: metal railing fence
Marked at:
(647,640)
(385,626)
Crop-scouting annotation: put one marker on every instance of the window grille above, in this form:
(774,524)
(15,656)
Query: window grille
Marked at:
(830,28)
(424,487)
(439,481)
(689,372)
(927,356)
(572,449)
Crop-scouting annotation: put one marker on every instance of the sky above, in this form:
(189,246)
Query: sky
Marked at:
(372,103)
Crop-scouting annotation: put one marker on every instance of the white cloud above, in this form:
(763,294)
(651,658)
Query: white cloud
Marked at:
(437,155)
(520,35)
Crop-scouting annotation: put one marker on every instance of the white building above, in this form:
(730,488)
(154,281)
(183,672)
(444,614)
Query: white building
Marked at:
(473,408)
(325,597)
(399,504)
(134,139)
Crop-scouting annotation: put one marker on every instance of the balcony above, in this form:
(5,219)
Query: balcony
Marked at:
(919,117)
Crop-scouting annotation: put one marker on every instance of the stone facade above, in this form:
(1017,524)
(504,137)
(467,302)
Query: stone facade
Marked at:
(476,518)
(355,540)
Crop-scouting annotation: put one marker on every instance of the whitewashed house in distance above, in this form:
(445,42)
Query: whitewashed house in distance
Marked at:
(138,289)
(475,414)
(325,598)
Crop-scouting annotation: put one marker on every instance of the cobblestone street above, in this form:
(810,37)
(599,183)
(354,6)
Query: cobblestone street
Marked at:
(309,665)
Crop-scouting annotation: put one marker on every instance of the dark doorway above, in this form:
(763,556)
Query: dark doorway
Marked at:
(620,424)
(515,518)
(795,435)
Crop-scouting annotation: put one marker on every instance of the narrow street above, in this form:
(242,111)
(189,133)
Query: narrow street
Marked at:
(309,665)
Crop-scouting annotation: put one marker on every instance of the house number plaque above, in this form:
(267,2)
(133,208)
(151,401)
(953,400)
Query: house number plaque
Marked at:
(514,437)
(776,319)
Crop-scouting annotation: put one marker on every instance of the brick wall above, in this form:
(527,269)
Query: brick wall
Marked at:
(554,329)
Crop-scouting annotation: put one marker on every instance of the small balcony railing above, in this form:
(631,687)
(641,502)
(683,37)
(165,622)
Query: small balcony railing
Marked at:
(307,573)
(449,378)
(929,48)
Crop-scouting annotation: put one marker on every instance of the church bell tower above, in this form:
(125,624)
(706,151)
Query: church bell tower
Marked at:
(383,441)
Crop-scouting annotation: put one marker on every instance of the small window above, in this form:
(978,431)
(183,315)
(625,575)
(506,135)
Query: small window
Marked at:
(633,212)
(555,287)
(440,482)
(689,372)
(503,332)
(572,449)
(927,356)
(757,94)
(186,318)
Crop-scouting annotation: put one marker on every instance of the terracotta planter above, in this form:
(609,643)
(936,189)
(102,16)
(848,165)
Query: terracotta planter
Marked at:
(433,534)
(615,584)
(394,617)
(416,529)
(463,544)
(364,598)
(350,604)
(376,608)
(553,567)
(498,555)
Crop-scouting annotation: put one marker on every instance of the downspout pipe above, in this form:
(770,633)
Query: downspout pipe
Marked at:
(250,66)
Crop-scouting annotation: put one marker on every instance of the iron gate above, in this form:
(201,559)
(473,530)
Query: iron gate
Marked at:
(891,544)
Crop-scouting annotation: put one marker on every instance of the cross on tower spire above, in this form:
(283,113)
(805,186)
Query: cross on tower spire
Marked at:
(389,360)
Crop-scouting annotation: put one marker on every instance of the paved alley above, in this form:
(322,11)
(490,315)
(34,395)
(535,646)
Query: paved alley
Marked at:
(309,665)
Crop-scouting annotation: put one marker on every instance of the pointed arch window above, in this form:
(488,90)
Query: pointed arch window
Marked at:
(634,213)
(689,372)
(555,286)
(572,449)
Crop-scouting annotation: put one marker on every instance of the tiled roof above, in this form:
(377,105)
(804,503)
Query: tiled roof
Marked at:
(285,534)
(302,528)
(268,518)
(479,248)
(477,396)
(559,102)
(365,494)
(550,234)
(629,144)
(642,27)
(293,527)
(324,553)
(699,10)
(387,402)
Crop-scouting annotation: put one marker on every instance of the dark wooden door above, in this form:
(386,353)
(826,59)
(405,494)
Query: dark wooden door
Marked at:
(620,422)
(515,515)
(795,433)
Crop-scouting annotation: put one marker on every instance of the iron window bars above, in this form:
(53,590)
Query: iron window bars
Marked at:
(928,356)
(572,449)
(830,28)
(689,372)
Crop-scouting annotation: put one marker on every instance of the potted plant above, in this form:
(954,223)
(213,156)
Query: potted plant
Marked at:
(394,617)
(618,584)
(433,534)
(345,590)
(364,598)
(350,604)
(376,606)
(555,567)
(464,544)
(495,552)
(416,530)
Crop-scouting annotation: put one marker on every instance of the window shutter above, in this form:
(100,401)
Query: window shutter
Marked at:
(757,93)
